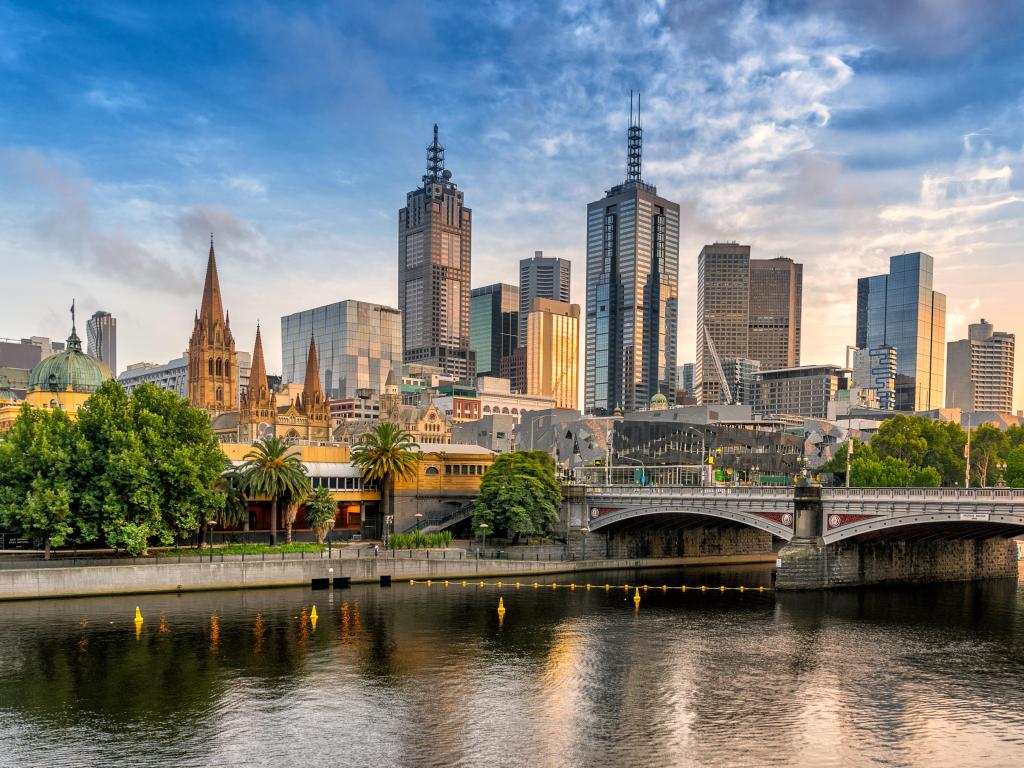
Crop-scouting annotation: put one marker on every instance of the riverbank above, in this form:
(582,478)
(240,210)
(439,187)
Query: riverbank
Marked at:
(82,581)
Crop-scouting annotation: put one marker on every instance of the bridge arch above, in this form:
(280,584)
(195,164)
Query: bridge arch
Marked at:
(928,526)
(675,512)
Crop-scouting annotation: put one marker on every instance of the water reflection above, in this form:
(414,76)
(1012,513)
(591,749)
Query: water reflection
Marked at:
(417,675)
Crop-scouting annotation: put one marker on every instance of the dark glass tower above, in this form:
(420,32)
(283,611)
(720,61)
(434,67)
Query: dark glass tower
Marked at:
(434,253)
(632,291)
(493,326)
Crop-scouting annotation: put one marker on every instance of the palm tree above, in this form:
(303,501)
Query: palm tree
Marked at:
(321,511)
(272,469)
(383,454)
(236,506)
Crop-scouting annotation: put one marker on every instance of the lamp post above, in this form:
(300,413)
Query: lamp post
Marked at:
(419,519)
(584,531)
(483,535)
(643,466)
(209,527)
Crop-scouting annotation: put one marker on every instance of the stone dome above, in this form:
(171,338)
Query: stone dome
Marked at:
(71,370)
(659,399)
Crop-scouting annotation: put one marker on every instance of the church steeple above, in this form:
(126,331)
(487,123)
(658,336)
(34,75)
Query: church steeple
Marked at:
(212,308)
(311,391)
(259,389)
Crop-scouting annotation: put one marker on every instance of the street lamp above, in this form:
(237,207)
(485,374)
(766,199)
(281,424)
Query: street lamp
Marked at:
(483,535)
(584,531)
(209,527)
(419,519)
(643,466)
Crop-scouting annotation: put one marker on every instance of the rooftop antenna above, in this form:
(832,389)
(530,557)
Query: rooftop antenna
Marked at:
(435,160)
(635,136)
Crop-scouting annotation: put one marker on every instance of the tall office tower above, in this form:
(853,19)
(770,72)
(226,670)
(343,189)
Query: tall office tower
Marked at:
(541,277)
(358,345)
(875,370)
(979,370)
(901,309)
(101,338)
(742,374)
(212,361)
(776,288)
(493,326)
(684,378)
(552,351)
(632,291)
(434,249)
(723,305)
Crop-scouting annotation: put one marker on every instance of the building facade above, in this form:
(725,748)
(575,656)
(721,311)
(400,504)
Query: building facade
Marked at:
(170,377)
(632,291)
(742,375)
(213,364)
(979,370)
(358,343)
(101,338)
(874,370)
(746,309)
(901,309)
(493,326)
(434,259)
(542,277)
(552,352)
(804,391)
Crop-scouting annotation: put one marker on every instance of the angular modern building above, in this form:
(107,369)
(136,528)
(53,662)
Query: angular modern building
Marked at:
(747,309)
(552,351)
(901,309)
(632,291)
(101,338)
(979,370)
(541,277)
(875,370)
(434,254)
(493,326)
(358,344)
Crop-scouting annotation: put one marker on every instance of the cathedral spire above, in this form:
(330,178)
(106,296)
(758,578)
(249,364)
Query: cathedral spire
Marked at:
(258,386)
(212,308)
(634,142)
(311,392)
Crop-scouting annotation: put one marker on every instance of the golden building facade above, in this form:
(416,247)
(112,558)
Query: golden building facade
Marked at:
(552,351)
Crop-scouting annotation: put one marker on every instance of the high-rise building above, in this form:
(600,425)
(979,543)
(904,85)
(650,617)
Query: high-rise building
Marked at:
(746,309)
(802,391)
(493,326)
(542,277)
(101,338)
(979,370)
(776,288)
(212,362)
(632,291)
(874,370)
(552,351)
(684,378)
(434,254)
(742,375)
(902,310)
(358,345)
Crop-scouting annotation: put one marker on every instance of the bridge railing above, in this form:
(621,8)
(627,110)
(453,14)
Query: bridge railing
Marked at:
(950,494)
(694,491)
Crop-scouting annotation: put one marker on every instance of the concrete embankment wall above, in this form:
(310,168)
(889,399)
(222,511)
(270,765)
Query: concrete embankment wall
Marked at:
(31,583)
(808,565)
(689,542)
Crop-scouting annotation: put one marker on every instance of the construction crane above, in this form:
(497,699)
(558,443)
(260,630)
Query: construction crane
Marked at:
(726,389)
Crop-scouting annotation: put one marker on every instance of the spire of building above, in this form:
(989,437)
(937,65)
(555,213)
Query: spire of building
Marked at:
(212,308)
(258,386)
(311,392)
(634,142)
(435,161)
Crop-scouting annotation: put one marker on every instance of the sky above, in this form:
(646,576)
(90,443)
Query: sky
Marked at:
(834,133)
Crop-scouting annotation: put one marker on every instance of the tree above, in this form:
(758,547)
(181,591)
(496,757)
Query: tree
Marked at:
(274,470)
(321,511)
(888,472)
(386,453)
(231,483)
(37,478)
(989,447)
(1015,467)
(519,495)
(149,469)
(923,442)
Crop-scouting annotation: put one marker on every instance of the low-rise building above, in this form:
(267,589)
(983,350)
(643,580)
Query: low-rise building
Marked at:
(494,432)
(802,391)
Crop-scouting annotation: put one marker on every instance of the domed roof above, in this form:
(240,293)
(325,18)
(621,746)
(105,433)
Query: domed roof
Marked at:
(659,399)
(71,369)
(7,396)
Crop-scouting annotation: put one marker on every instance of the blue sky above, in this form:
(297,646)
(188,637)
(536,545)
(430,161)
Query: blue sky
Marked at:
(834,133)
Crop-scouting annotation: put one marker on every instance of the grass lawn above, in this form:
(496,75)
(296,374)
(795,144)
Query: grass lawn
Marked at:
(241,549)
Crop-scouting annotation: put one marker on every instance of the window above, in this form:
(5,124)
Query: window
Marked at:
(431,471)
(210,366)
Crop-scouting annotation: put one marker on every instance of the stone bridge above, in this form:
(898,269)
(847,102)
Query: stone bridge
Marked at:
(825,536)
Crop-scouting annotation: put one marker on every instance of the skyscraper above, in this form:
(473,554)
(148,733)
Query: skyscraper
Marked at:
(434,254)
(875,370)
(632,291)
(979,370)
(746,309)
(101,338)
(901,309)
(358,345)
(541,277)
(552,351)
(493,326)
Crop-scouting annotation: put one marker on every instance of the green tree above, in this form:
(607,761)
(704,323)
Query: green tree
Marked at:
(386,453)
(275,471)
(231,484)
(989,447)
(519,495)
(889,472)
(321,512)
(151,467)
(1015,467)
(923,442)
(1015,435)
(38,471)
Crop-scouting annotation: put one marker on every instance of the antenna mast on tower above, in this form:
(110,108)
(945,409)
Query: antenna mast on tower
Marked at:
(635,138)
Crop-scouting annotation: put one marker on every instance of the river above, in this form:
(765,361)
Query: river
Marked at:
(413,675)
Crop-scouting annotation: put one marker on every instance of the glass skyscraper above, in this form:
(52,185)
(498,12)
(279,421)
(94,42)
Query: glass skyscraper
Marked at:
(902,310)
(357,343)
(101,337)
(493,325)
(632,292)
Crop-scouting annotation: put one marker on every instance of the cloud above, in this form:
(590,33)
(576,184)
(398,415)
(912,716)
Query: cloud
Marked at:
(68,226)
(114,99)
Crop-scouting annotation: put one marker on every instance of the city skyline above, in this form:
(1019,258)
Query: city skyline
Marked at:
(792,148)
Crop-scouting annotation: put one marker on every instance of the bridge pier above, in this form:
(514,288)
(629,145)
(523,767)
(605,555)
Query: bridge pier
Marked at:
(812,564)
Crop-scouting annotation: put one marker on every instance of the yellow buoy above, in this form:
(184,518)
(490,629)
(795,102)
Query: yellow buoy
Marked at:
(703,588)
(626,587)
(535,585)
(664,588)
(517,585)
(501,605)
(313,617)
(429,582)
(138,615)
(760,589)
(446,583)
(481,583)
(721,589)
(645,587)
(588,587)
(742,589)
(499,583)
(572,586)
(412,581)
(554,586)
(636,598)
(463,583)
(607,587)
